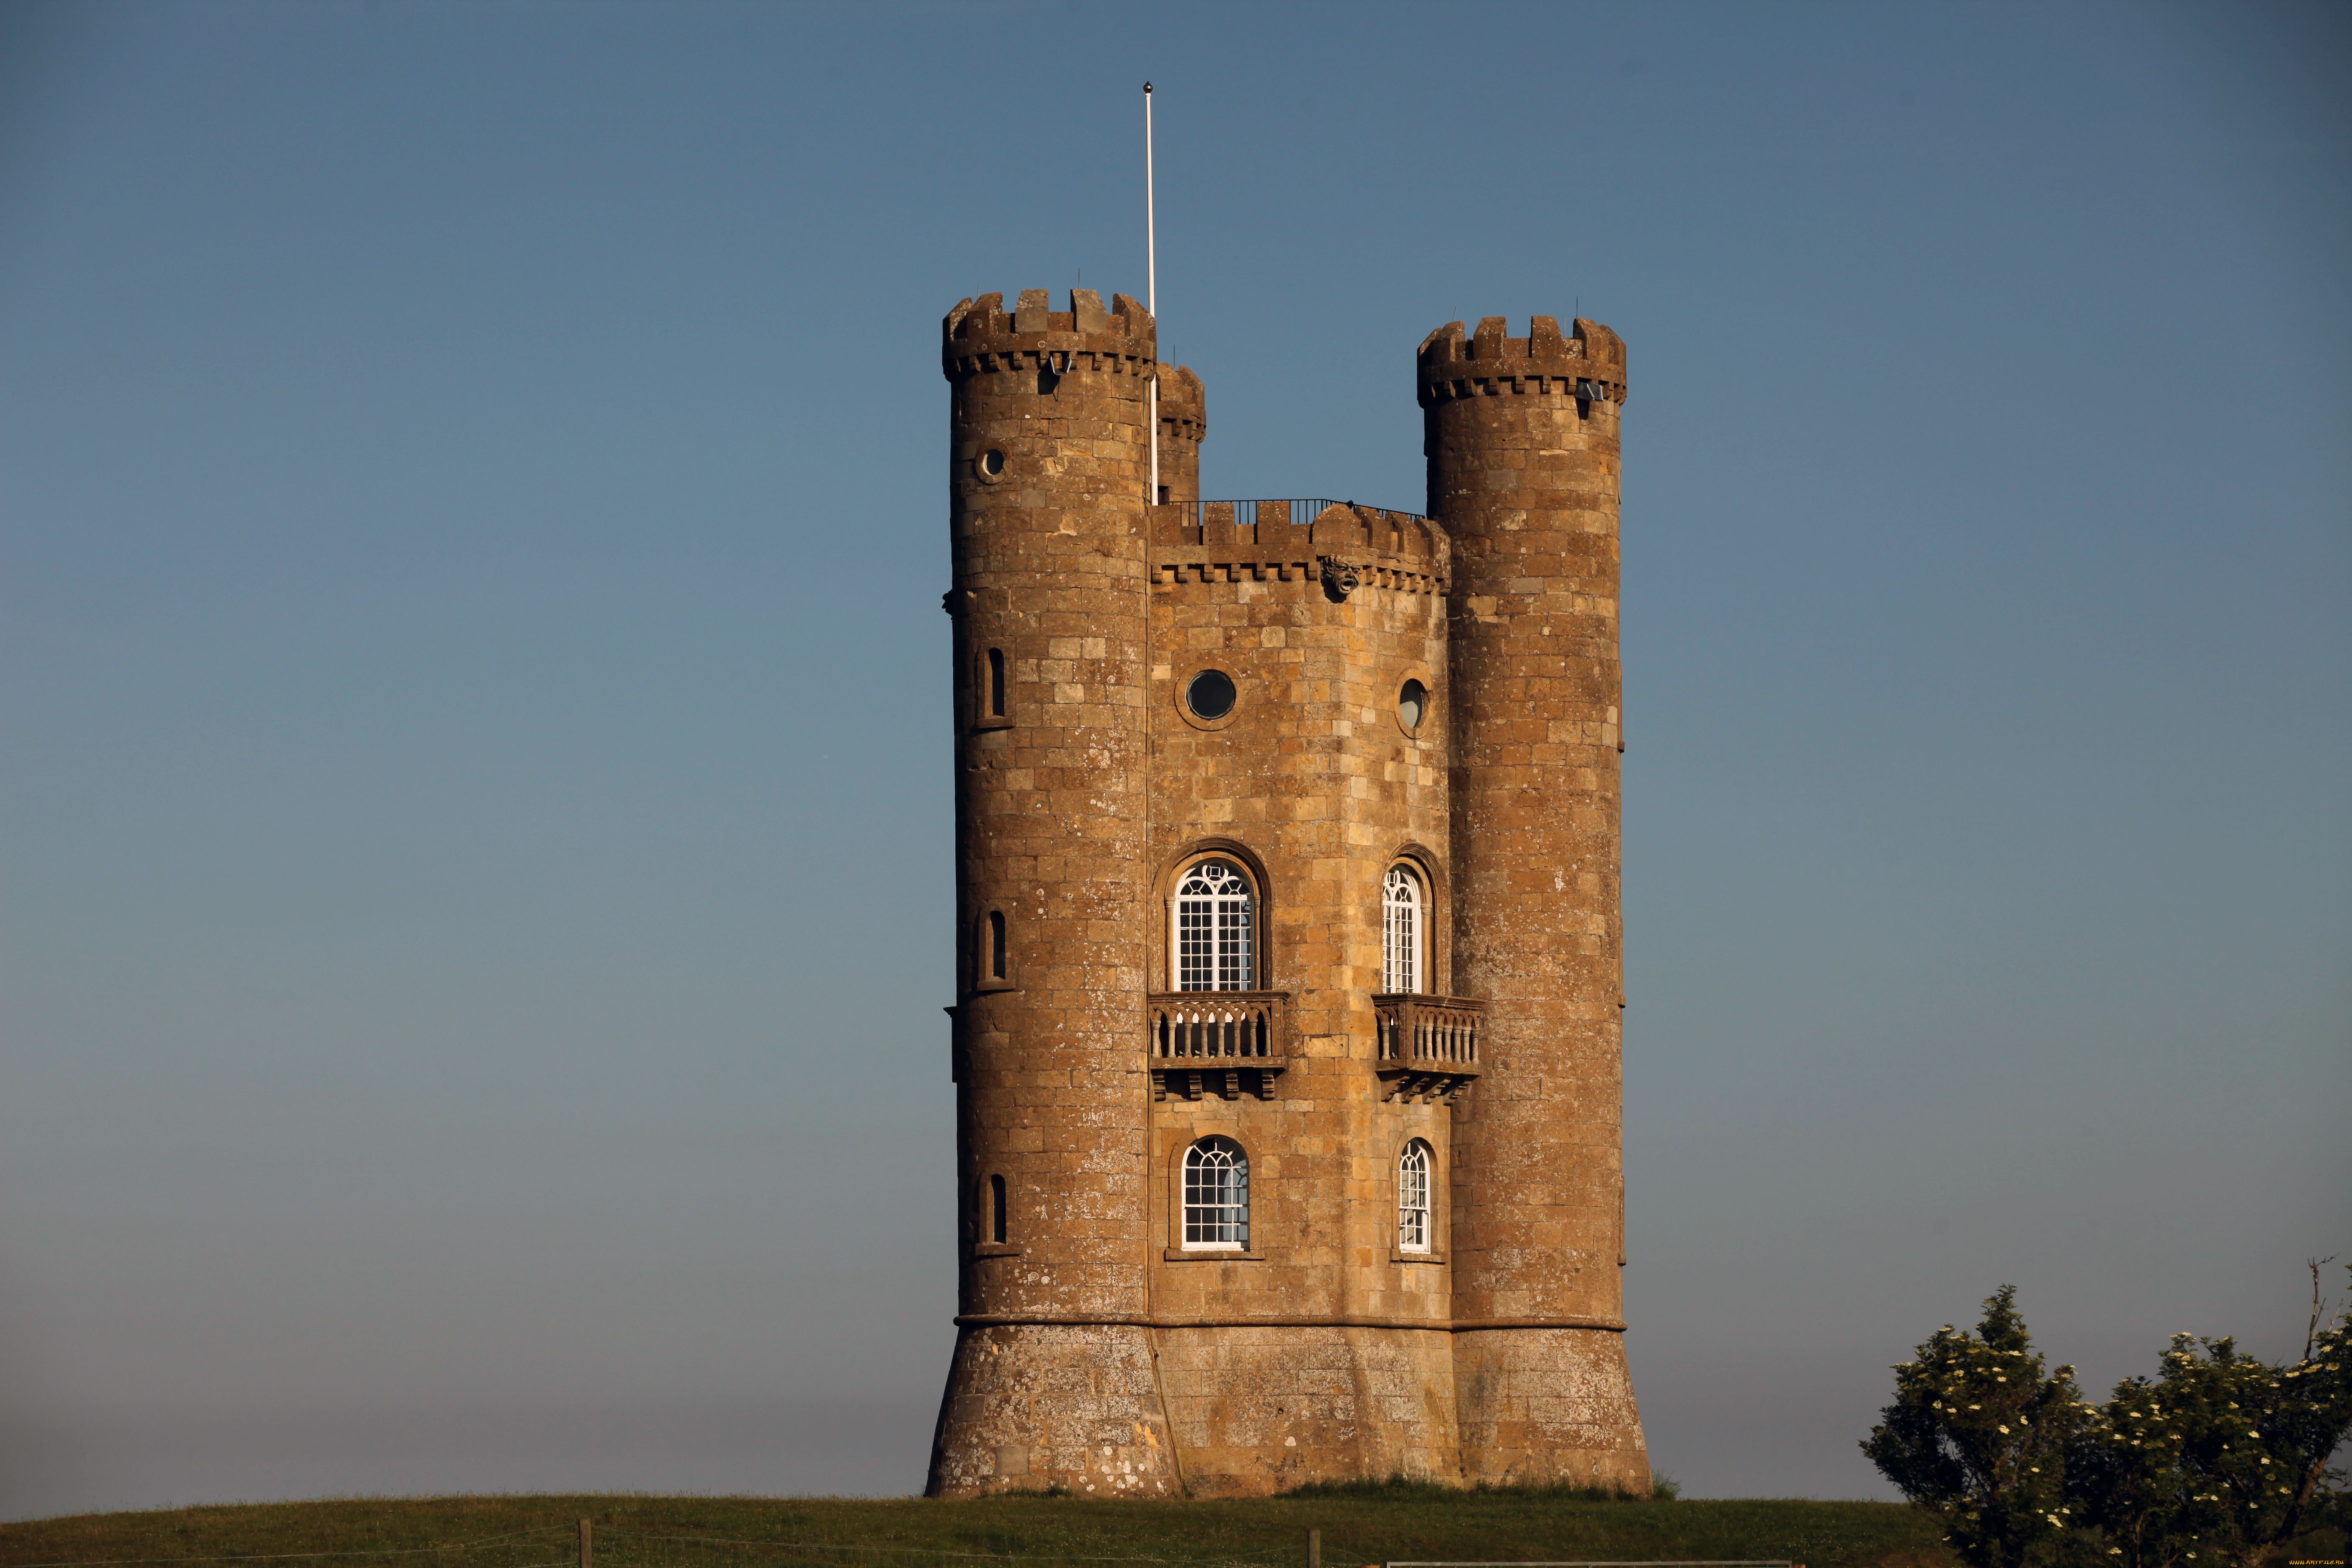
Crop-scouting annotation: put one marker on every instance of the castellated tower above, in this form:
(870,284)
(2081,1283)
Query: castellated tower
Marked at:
(1047,468)
(1285,1038)
(1521,438)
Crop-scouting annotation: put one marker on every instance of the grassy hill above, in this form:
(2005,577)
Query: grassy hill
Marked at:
(1360,1524)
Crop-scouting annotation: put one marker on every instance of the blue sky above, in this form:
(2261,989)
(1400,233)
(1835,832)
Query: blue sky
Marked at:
(474,874)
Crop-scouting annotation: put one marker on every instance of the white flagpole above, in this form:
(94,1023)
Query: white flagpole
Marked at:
(1150,295)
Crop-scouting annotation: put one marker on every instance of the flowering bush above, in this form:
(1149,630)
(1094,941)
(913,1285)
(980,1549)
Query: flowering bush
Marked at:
(1979,1433)
(2219,1461)
(2221,1458)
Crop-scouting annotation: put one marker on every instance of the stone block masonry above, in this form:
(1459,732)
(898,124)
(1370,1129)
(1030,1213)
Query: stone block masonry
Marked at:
(1239,787)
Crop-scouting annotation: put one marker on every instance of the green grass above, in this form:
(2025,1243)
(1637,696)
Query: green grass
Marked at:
(1360,1524)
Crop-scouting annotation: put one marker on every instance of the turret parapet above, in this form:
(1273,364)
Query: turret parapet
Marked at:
(981,335)
(1183,403)
(1588,365)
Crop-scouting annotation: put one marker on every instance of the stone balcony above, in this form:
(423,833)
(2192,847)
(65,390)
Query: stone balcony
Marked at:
(1225,1042)
(1428,1045)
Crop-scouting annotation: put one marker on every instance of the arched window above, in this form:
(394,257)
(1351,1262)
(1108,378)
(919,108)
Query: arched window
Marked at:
(996,1209)
(1400,927)
(1412,1198)
(1216,1196)
(1214,935)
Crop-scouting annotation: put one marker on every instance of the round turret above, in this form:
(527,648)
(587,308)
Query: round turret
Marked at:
(1049,443)
(1183,425)
(1521,435)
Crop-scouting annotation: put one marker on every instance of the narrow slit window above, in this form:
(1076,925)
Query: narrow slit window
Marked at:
(1215,930)
(1216,1196)
(995,957)
(1400,928)
(996,1210)
(1412,1198)
(996,683)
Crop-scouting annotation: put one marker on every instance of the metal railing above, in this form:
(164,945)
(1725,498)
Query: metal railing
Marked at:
(1248,514)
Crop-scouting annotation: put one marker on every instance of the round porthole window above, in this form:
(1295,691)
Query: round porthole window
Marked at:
(988,466)
(1210,694)
(1412,704)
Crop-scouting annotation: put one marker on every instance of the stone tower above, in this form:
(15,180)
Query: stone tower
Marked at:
(1521,438)
(1286,1041)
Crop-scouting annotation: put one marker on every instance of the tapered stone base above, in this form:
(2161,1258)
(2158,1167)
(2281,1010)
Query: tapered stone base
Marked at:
(1260,1410)
(1537,1406)
(1032,1407)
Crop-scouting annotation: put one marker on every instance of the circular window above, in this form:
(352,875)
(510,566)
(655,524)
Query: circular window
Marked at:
(1412,704)
(988,466)
(1210,694)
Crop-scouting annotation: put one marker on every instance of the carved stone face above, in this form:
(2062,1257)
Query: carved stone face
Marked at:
(1339,578)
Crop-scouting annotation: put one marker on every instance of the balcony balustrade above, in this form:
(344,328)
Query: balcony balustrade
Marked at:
(1227,1043)
(1428,1045)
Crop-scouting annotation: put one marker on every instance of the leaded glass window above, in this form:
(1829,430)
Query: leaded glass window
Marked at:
(1401,926)
(1412,1198)
(1215,934)
(1216,1196)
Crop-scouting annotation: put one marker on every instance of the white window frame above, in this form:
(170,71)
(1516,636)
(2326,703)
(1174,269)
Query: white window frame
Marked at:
(1222,930)
(1416,1183)
(1403,924)
(1215,1195)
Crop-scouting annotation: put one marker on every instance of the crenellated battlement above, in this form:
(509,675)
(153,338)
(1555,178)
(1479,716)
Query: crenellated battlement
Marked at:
(1589,363)
(1288,542)
(981,335)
